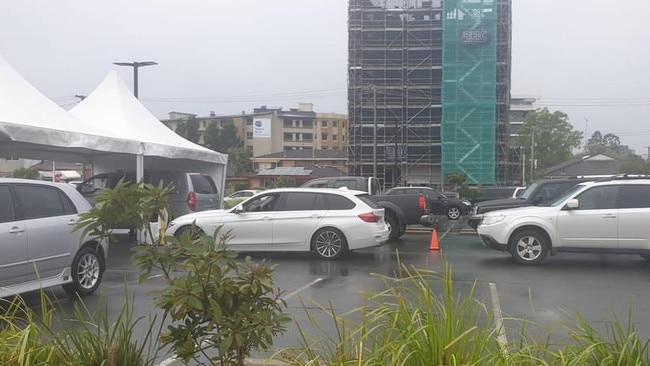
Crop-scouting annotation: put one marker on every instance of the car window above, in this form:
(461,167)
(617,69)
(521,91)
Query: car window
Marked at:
(569,192)
(318,185)
(528,192)
(302,201)
(203,184)
(40,201)
(634,196)
(262,203)
(551,191)
(598,198)
(351,184)
(337,202)
(6,205)
(173,180)
(367,200)
(495,193)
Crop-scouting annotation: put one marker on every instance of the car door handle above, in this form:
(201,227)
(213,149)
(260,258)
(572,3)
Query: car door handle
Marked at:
(72,222)
(316,216)
(16,230)
(609,216)
(267,218)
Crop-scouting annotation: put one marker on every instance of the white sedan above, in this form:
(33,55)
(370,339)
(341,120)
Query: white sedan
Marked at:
(325,221)
(243,194)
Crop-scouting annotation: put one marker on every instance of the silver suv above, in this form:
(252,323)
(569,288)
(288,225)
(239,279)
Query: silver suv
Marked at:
(606,216)
(192,191)
(39,249)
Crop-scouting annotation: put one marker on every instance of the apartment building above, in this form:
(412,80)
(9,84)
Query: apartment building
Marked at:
(270,130)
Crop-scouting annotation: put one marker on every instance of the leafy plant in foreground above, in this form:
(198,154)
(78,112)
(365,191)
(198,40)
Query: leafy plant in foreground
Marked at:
(220,305)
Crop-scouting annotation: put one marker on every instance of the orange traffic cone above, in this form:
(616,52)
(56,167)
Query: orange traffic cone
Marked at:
(434,240)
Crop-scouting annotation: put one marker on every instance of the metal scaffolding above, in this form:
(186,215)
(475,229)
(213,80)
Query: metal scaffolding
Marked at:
(395,75)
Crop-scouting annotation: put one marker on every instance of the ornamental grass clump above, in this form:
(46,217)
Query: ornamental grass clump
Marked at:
(93,339)
(24,340)
(406,324)
(421,319)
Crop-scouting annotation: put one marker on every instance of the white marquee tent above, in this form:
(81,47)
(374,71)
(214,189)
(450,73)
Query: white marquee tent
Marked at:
(34,127)
(110,129)
(112,106)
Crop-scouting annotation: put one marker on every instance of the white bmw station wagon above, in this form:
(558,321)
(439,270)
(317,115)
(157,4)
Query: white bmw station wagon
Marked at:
(326,221)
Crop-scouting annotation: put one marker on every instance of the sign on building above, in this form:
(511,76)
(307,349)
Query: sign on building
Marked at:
(262,128)
(402,153)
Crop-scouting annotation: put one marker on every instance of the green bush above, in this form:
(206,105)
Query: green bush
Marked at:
(240,186)
(219,305)
(27,173)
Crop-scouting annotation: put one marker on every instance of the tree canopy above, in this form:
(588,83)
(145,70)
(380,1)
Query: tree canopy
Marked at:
(222,139)
(608,144)
(189,129)
(549,137)
(240,161)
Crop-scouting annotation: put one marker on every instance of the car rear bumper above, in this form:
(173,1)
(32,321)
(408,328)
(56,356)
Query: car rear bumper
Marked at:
(366,239)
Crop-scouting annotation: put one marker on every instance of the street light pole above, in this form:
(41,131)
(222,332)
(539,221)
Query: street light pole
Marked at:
(374,130)
(135,66)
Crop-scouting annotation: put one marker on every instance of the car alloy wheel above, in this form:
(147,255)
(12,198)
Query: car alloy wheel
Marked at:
(529,247)
(193,231)
(329,243)
(86,273)
(453,213)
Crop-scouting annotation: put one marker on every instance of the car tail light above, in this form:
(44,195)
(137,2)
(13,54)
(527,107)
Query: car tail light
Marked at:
(191,201)
(422,203)
(369,217)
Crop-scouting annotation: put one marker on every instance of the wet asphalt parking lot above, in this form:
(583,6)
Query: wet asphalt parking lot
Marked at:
(599,287)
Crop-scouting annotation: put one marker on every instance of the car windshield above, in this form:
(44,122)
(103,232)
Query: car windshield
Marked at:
(529,191)
(565,195)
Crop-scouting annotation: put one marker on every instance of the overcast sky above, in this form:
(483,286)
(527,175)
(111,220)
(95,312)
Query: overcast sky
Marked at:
(588,58)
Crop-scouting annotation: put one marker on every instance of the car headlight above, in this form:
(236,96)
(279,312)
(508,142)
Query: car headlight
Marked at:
(466,203)
(492,219)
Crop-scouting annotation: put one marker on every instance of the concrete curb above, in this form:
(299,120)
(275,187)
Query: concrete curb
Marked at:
(247,362)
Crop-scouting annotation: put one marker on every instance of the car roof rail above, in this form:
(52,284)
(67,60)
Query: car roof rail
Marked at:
(625,176)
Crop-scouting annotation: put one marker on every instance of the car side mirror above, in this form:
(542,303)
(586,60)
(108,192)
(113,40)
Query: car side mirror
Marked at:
(572,204)
(238,209)
(86,189)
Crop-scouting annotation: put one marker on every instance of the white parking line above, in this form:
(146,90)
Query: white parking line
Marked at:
(168,361)
(302,288)
(498,317)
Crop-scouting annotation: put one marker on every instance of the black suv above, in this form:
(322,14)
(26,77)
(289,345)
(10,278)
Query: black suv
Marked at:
(537,193)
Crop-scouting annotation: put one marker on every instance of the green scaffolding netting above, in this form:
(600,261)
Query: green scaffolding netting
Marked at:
(469,58)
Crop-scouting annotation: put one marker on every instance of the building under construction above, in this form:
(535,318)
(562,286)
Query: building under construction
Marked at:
(429,89)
